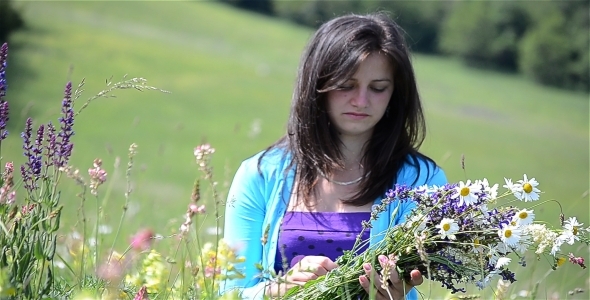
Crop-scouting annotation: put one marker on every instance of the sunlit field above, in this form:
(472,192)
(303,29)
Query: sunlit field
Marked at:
(230,76)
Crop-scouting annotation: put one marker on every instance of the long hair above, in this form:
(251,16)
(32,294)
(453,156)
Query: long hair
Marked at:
(331,57)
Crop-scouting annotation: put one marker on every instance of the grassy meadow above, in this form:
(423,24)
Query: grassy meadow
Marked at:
(230,75)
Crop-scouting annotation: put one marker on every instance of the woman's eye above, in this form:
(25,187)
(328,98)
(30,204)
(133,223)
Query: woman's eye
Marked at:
(345,87)
(378,90)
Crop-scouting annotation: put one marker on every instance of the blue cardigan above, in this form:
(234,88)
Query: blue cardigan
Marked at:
(258,200)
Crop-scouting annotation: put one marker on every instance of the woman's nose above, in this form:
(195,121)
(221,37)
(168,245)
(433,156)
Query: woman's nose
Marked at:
(360,98)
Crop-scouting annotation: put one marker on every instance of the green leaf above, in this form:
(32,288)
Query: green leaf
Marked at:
(38,250)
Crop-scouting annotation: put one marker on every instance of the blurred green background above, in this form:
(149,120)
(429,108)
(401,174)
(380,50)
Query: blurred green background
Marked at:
(231,73)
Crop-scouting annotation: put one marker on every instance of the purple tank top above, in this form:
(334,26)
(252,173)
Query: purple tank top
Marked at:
(318,233)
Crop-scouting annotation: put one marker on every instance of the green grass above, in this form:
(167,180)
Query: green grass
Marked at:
(228,70)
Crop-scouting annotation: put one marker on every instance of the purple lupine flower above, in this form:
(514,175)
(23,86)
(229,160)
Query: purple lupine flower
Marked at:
(26,135)
(37,151)
(3,63)
(64,145)
(31,170)
(3,103)
(3,119)
(51,148)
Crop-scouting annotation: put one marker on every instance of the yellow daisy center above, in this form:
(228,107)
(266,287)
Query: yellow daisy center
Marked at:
(507,233)
(523,215)
(575,230)
(446,226)
(527,188)
(513,223)
(464,191)
(476,242)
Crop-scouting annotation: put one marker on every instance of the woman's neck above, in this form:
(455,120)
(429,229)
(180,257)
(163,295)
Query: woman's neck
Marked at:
(352,150)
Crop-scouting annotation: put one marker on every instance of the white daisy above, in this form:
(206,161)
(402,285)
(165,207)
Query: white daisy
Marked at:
(523,245)
(515,188)
(573,225)
(523,217)
(510,235)
(530,192)
(571,232)
(448,228)
(491,191)
(467,192)
(418,222)
(556,245)
(477,246)
(493,255)
(502,261)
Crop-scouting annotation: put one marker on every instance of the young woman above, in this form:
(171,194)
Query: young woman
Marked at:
(354,130)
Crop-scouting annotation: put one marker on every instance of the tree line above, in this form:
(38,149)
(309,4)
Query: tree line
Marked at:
(548,41)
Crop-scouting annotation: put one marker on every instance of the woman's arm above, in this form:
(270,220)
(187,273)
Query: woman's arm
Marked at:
(244,216)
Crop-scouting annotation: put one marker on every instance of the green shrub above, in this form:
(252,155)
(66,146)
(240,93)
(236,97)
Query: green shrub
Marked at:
(555,51)
(485,33)
(10,19)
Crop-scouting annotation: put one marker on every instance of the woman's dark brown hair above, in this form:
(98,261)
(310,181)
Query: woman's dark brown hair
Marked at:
(332,56)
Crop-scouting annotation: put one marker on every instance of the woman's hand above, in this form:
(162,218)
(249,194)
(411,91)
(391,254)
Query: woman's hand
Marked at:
(308,268)
(390,285)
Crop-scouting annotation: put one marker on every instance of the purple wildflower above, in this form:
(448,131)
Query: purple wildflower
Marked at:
(31,171)
(37,150)
(3,63)
(64,145)
(51,148)
(3,103)
(3,118)
(27,147)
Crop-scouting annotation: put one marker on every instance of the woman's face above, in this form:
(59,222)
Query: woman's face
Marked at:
(361,101)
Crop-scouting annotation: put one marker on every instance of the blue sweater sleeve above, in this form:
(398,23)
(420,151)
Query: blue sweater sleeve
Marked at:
(244,216)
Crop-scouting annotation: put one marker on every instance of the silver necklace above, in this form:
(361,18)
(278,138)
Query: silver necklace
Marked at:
(343,183)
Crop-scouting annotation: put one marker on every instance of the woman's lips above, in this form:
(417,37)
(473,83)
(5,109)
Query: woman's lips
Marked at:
(356,116)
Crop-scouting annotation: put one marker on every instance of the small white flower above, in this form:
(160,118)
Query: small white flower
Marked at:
(523,217)
(418,222)
(523,245)
(514,188)
(510,235)
(573,225)
(493,256)
(530,192)
(467,193)
(491,191)
(484,208)
(557,245)
(571,231)
(502,261)
(448,228)
(567,236)
(477,246)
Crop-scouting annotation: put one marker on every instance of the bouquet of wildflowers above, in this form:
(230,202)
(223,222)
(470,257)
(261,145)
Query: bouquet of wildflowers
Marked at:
(453,237)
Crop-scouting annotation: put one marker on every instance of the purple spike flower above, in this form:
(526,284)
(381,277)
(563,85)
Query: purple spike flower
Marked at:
(3,63)
(3,103)
(3,119)
(25,169)
(37,150)
(51,148)
(63,145)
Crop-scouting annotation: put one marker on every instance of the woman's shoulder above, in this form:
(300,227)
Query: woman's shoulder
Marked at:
(268,161)
(419,169)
